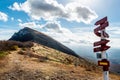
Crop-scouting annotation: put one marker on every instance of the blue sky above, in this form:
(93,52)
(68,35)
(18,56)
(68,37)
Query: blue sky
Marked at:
(69,21)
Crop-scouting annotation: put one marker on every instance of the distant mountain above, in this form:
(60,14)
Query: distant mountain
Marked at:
(28,34)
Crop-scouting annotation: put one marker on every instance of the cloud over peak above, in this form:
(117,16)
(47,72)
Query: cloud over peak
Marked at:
(51,9)
(29,24)
(53,27)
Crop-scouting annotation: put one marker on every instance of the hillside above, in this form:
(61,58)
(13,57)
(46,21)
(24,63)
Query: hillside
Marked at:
(38,62)
(28,34)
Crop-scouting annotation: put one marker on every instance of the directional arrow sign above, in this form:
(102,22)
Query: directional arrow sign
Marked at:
(101,27)
(101,21)
(103,48)
(101,42)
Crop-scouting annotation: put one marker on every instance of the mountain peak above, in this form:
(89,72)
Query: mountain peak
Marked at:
(28,34)
(27,29)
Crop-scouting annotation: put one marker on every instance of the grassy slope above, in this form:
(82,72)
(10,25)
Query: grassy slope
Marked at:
(43,63)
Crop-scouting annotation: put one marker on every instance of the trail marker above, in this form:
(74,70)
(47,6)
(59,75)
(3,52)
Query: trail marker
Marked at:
(101,46)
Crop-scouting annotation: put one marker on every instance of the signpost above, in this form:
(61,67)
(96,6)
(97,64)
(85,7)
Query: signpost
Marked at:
(100,46)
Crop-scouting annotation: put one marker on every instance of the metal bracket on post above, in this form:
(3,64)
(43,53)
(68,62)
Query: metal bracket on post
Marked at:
(99,56)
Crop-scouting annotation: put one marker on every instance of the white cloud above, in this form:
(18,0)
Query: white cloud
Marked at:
(29,24)
(47,9)
(86,34)
(64,35)
(3,16)
(78,36)
(5,34)
(12,18)
(53,26)
(114,42)
(19,20)
(80,13)
(16,6)
(61,34)
(20,7)
(54,30)
(114,30)
(87,2)
(51,9)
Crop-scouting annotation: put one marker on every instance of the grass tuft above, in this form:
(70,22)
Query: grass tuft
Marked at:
(3,54)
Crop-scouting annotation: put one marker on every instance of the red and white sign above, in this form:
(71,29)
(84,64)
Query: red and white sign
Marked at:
(101,46)
(100,32)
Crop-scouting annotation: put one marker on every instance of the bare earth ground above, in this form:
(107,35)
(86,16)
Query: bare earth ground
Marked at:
(24,67)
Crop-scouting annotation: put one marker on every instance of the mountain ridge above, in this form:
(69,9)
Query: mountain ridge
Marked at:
(28,34)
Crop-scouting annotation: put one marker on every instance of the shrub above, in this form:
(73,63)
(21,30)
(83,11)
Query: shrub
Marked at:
(15,47)
(3,54)
(21,52)
(24,49)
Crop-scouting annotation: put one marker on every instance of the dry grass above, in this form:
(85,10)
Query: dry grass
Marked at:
(26,65)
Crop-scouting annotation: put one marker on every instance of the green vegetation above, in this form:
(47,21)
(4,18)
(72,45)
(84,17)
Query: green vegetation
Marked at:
(3,54)
(14,45)
(6,46)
